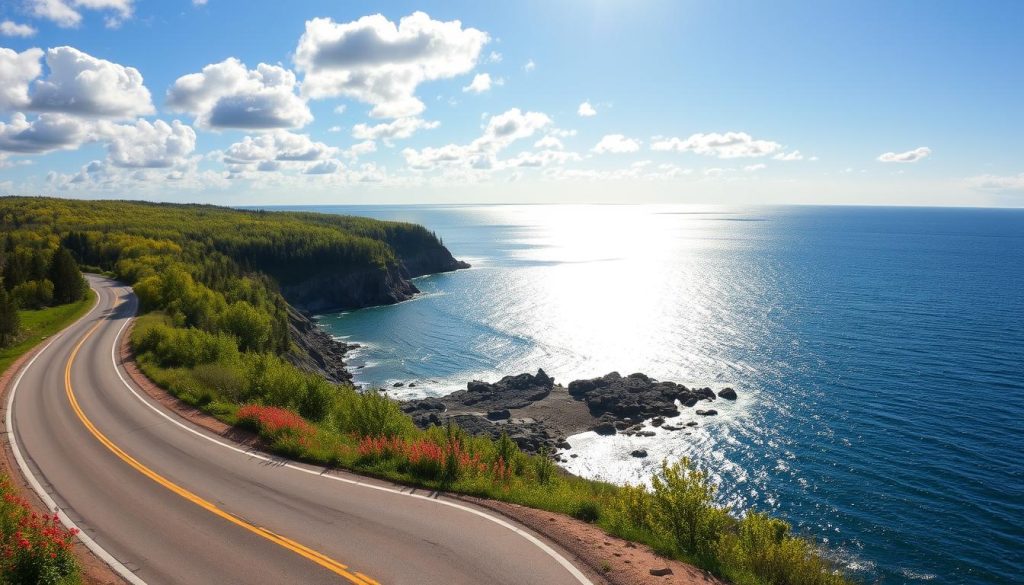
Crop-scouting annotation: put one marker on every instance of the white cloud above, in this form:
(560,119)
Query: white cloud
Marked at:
(616,143)
(324,167)
(494,57)
(14,29)
(279,146)
(46,133)
(229,95)
(755,167)
(56,11)
(482,82)
(909,156)
(789,156)
(375,61)
(17,70)
(398,129)
(501,131)
(728,145)
(340,108)
(1006,184)
(64,14)
(148,144)
(359,149)
(529,66)
(81,84)
(549,142)
(199,2)
(586,110)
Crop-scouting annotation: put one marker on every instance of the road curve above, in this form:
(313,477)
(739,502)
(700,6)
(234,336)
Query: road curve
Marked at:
(169,502)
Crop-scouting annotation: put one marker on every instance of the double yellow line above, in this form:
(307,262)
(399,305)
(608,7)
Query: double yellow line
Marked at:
(318,558)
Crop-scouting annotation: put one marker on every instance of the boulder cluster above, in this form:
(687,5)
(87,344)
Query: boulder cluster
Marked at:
(617,404)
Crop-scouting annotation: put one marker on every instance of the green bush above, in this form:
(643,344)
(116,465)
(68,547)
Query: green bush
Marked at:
(683,498)
(34,294)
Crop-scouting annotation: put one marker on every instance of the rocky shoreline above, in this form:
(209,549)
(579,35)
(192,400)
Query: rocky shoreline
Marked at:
(539,414)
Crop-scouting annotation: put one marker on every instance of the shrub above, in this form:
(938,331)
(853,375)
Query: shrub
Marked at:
(34,294)
(34,549)
(683,498)
(586,510)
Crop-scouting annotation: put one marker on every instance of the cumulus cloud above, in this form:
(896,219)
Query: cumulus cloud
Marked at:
(229,95)
(997,183)
(500,132)
(17,70)
(81,84)
(909,156)
(324,167)
(586,110)
(395,130)
(277,146)
(147,144)
(529,66)
(64,13)
(727,145)
(47,133)
(375,61)
(14,29)
(616,143)
(549,142)
(482,82)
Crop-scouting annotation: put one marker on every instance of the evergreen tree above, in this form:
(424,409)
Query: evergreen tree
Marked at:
(8,319)
(68,284)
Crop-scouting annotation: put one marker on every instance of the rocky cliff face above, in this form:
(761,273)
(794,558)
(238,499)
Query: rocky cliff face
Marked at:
(330,290)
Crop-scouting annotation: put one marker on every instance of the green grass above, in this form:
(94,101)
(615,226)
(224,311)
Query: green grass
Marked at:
(39,325)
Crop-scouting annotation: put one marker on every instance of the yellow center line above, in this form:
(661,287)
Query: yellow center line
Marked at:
(318,558)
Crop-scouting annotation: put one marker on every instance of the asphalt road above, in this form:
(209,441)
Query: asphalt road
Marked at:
(173,503)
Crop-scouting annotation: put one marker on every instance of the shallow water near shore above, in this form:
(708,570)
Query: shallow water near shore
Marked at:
(877,353)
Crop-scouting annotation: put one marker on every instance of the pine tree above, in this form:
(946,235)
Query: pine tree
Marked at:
(68,284)
(8,319)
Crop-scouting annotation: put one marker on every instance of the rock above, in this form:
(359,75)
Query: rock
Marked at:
(646,434)
(670,427)
(563,444)
(727,393)
(657,421)
(661,572)
(412,384)
(621,425)
(573,455)
(707,412)
(398,385)
(639,453)
(503,414)
(692,423)
(605,428)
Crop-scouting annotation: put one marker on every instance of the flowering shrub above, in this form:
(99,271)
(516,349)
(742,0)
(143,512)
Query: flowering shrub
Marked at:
(33,548)
(275,423)
(422,458)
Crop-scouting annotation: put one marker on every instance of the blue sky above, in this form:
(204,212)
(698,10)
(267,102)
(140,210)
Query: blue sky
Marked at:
(573,101)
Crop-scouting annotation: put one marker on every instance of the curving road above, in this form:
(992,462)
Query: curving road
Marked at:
(164,501)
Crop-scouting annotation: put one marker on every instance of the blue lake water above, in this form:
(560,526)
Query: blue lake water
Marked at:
(878,353)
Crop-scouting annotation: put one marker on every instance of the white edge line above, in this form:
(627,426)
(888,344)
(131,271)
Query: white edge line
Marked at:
(91,544)
(571,568)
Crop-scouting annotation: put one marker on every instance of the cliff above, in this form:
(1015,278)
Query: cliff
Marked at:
(330,290)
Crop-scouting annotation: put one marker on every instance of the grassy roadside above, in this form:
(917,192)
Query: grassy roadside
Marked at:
(368,434)
(41,324)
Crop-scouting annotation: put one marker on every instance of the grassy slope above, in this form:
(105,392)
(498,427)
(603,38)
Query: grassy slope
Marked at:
(38,325)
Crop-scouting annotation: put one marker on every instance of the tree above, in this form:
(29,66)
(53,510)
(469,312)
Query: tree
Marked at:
(68,284)
(9,322)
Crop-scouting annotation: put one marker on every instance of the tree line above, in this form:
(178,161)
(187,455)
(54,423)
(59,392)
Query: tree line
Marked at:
(34,275)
